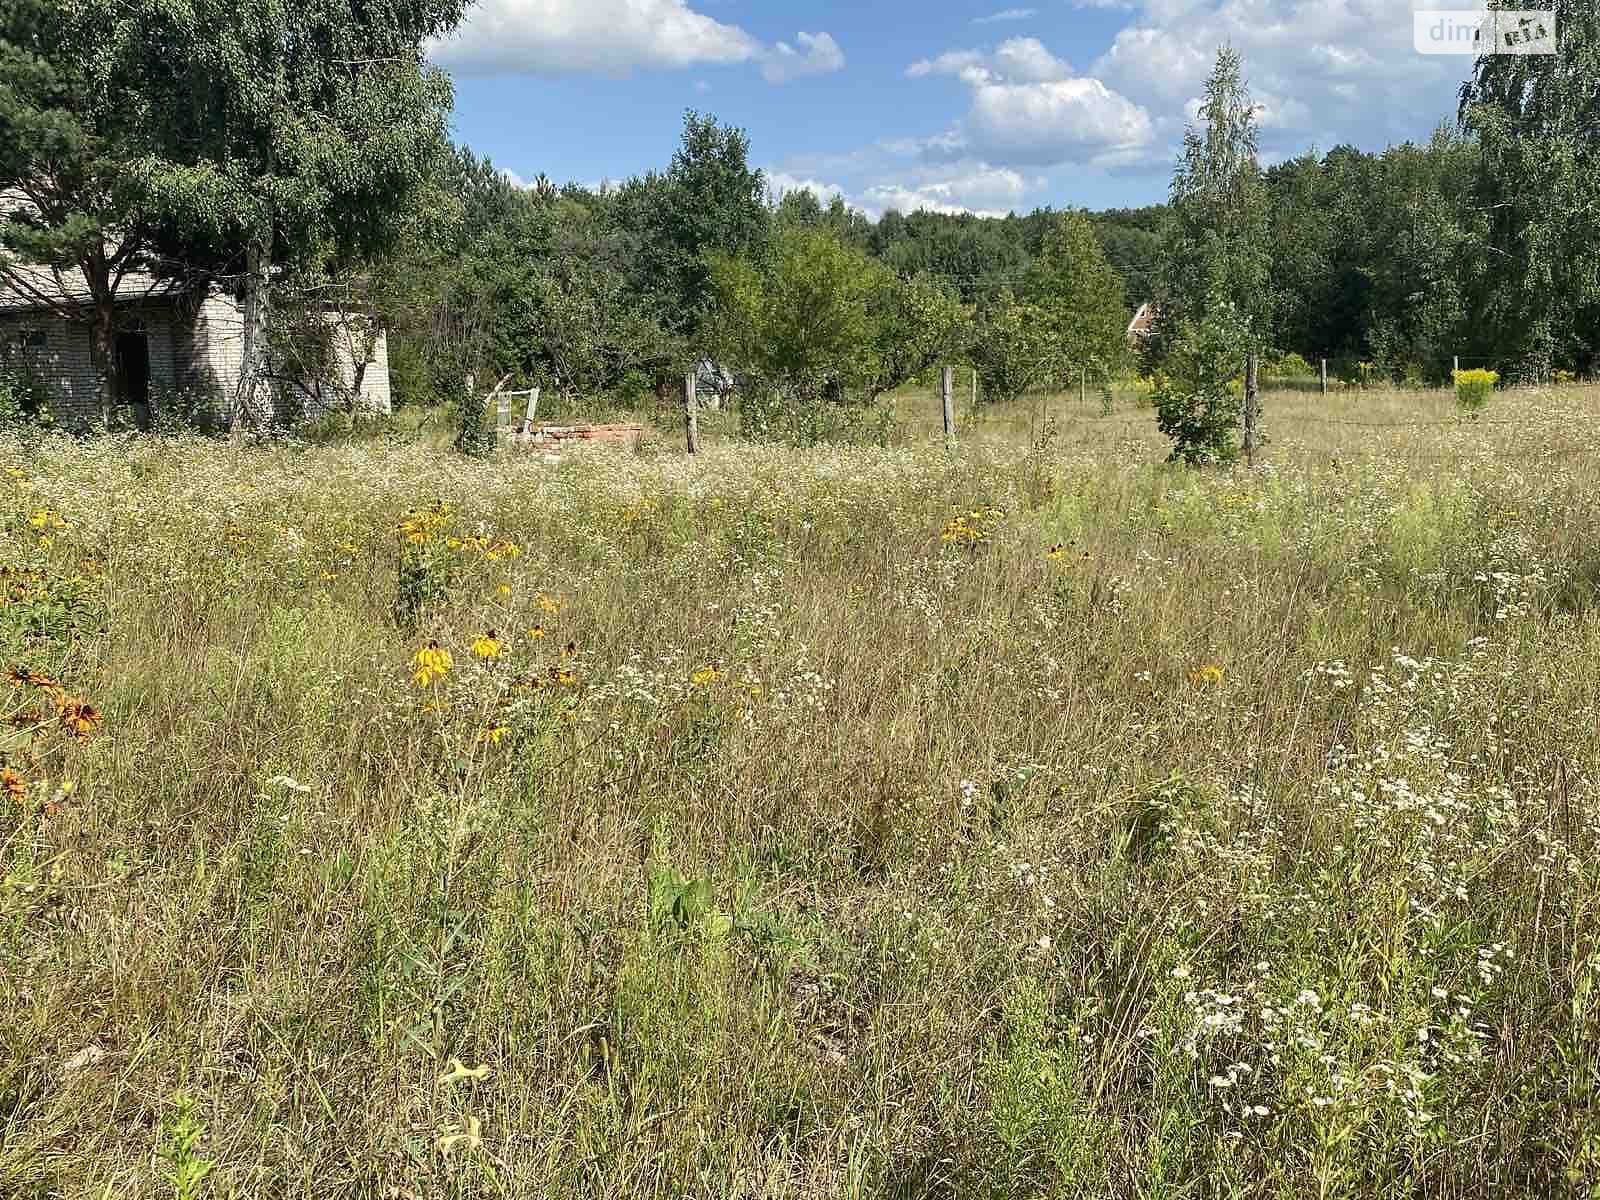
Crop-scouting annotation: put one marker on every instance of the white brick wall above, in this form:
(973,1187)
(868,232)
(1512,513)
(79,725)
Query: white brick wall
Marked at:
(375,395)
(199,357)
(62,362)
(65,362)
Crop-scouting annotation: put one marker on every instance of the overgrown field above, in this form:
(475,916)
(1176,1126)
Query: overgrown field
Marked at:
(1033,821)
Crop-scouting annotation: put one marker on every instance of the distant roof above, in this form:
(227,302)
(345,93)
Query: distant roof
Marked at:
(1143,321)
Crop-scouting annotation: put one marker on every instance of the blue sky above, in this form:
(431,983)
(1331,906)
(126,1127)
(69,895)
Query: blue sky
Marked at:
(968,105)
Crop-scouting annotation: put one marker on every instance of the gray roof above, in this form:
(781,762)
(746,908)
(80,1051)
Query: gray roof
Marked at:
(26,287)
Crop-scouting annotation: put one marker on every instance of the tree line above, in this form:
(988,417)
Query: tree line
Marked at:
(293,149)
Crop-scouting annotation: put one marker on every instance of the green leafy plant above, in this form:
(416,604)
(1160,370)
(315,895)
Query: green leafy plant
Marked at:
(1013,349)
(473,436)
(427,564)
(181,1132)
(1046,1139)
(24,402)
(1287,366)
(676,901)
(1195,406)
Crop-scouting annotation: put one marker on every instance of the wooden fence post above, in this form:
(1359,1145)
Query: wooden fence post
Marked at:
(948,393)
(532,409)
(1324,377)
(1455,366)
(502,411)
(1251,364)
(691,414)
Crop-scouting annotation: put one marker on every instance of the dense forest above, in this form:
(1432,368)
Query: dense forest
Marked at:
(1480,245)
(1389,258)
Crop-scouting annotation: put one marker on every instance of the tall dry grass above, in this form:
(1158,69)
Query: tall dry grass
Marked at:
(1037,820)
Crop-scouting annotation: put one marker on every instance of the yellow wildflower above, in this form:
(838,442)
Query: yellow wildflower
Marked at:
(1208,675)
(705,676)
(14,785)
(487,645)
(80,718)
(492,734)
(432,662)
(538,631)
(548,603)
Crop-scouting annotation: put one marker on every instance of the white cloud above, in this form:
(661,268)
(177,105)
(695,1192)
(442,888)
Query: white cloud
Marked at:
(1019,60)
(1028,108)
(1062,121)
(881,184)
(780,184)
(817,54)
(1006,14)
(1324,71)
(971,187)
(880,198)
(615,37)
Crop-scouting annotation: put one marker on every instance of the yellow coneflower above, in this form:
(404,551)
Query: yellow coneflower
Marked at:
(80,718)
(705,676)
(432,662)
(538,631)
(488,645)
(548,603)
(570,650)
(14,785)
(1056,553)
(492,734)
(503,591)
(1209,675)
(563,677)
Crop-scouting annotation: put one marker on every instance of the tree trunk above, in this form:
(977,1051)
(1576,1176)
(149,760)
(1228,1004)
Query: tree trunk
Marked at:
(103,328)
(103,356)
(257,295)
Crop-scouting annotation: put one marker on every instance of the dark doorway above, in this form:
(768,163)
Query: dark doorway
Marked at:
(133,365)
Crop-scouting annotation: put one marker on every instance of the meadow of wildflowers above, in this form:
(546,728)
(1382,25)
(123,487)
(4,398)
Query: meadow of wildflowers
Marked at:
(1032,820)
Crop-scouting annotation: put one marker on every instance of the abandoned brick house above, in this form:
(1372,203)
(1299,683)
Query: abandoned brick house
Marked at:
(176,345)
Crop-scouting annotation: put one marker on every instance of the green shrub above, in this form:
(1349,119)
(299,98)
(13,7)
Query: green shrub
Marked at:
(1473,388)
(1289,366)
(24,402)
(766,415)
(473,435)
(1195,405)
